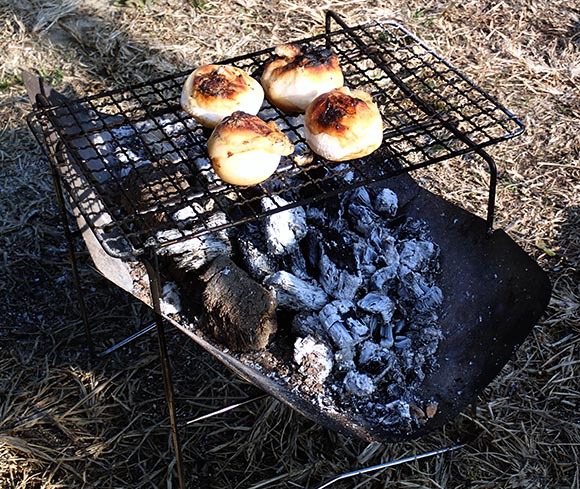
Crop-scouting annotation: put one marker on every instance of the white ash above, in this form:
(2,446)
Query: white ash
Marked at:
(315,359)
(294,293)
(170,300)
(358,384)
(254,253)
(195,253)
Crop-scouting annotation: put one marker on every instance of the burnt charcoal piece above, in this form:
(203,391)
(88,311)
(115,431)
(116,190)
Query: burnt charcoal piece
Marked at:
(196,253)
(294,293)
(378,304)
(340,275)
(239,312)
(150,190)
(386,203)
(255,257)
(414,228)
(333,318)
(308,325)
(418,256)
(284,229)
(362,219)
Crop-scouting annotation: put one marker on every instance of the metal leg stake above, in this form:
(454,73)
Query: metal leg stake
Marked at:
(152,265)
(492,189)
(73,260)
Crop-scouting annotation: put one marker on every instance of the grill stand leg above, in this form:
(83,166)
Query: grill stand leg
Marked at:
(73,260)
(492,189)
(152,265)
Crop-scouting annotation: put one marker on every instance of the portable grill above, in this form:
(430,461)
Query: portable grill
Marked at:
(494,293)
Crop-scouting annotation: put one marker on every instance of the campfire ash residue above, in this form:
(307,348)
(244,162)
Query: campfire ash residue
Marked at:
(361,287)
(358,284)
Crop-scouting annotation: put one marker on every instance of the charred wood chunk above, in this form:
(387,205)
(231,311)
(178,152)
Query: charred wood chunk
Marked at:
(150,190)
(386,203)
(239,312)
(285,229)
(254,253)
(339,266)
(294,293)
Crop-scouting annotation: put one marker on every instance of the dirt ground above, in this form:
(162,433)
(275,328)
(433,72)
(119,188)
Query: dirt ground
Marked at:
(66,421)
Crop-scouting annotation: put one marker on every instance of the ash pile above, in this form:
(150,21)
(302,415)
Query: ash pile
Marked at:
(360,288)
(339,300)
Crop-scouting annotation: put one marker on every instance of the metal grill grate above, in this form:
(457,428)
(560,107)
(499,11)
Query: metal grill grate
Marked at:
(139,138)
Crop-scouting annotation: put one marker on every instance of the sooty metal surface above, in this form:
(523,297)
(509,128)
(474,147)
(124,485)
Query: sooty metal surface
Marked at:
(431,113)
(494,294)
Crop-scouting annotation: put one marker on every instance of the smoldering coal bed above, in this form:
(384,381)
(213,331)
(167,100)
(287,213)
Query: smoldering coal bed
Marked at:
(361,286)
(355,284)
(395,308)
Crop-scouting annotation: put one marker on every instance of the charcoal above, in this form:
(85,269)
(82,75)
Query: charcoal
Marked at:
(387,339)
(304,324)
(374,358)
(195,253)
(362,219)
(377,303)
(296,294)
(399,325)
(417,256)
(333,317)
(359,196)
(382,279)
(314,358)
(388,257)
(356,328)
(359,384)
(414,228)
(421,299)
(337,282)
(372,322)
(402,342)
(255,257)
(366,258)
(296,264)
(316,216)
(311,248)
(283,230)
(340,275)
(386,203)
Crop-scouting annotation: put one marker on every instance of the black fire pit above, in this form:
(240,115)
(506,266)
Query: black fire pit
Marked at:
(493,293)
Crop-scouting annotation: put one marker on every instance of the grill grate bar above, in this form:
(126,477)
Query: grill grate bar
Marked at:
(143,161)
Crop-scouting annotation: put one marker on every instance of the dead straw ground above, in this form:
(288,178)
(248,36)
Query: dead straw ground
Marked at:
(67,422)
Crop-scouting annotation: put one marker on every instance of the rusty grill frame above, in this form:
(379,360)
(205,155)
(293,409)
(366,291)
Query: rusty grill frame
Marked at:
(431,113)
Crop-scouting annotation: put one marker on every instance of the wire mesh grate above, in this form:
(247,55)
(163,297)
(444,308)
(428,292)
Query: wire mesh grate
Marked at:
(136,165)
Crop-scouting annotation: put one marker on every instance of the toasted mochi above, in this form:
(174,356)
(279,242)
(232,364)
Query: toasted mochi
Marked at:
(343,124)
(213,92)
(245,150)
(294,78)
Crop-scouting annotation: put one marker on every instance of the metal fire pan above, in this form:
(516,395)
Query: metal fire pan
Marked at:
(494,294)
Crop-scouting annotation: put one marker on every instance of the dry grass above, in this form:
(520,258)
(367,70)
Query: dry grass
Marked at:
(65,422)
